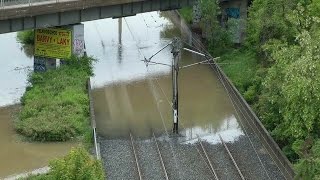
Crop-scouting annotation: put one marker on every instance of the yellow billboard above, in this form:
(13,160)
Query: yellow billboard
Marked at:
(53,43)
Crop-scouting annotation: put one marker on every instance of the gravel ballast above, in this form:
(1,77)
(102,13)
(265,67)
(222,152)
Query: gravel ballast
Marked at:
(118,159)
(186,161)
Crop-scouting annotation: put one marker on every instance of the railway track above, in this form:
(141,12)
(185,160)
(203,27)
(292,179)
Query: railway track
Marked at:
(137,158)
(205,157)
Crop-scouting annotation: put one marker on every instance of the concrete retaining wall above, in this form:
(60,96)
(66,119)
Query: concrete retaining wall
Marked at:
(252,121)
(93,122)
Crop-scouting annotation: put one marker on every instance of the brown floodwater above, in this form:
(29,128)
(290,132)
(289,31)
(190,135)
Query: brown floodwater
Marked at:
(17,156)
(130,97)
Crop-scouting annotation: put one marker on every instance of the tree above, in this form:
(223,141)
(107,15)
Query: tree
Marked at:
(267,20)
(219,38)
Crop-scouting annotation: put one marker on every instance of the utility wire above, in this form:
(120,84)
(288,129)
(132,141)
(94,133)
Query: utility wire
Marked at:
(161,116)
(220,78)
(140,52)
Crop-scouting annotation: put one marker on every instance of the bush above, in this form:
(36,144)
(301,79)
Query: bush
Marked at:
(26,37)
(77,165)
(186,13)
(56,106)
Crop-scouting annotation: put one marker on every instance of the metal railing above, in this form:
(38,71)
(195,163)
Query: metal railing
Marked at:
(8,3)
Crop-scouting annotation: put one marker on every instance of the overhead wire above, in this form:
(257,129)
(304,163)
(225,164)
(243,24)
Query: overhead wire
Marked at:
(232,101)
(239,109)
(158,108)
(204,51)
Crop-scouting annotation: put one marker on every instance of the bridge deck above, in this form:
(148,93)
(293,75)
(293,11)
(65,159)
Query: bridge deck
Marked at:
(32,14)
(53,6)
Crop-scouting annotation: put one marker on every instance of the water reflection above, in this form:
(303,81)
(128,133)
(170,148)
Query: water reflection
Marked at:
(229,131)
(129,96)
(15,66)
(28,50)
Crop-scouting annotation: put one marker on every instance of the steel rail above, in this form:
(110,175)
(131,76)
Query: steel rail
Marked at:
(208,159)
(135,157)
(160,156)
(204,160)
(230,155)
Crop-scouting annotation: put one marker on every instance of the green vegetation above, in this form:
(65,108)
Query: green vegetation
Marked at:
(55,106)
(186,13)
(278,72)
(77,165)
(219,39)
(240,64)
(26,37)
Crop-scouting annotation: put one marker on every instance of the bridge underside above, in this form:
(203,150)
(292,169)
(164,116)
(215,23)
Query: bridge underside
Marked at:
(73,12)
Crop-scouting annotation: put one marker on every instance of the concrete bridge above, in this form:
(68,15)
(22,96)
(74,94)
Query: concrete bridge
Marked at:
(17,15)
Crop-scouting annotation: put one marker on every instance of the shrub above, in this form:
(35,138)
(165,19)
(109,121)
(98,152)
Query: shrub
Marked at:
(26,37)
(77,165)
(56,105)
(186,13)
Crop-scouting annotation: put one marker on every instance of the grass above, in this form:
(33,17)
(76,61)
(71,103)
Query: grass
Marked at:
(243,69)
(55,107)
(186,13)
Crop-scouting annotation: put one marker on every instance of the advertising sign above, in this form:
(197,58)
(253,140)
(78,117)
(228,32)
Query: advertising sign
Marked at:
(53,43)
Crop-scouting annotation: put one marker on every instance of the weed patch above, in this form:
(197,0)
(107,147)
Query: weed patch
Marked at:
(56,106)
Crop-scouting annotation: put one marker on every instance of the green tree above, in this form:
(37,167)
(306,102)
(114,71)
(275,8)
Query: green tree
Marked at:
(290,103)
(267,20)
(293,82)
(219,38)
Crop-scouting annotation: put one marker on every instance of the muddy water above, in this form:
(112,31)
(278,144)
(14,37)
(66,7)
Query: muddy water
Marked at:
(17,156)
(130,97)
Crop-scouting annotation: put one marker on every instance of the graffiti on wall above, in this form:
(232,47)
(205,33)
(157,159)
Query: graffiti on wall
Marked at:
(233,13)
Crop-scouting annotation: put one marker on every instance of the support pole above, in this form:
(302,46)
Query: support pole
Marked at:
(120,40)
(176,51)
(120,31)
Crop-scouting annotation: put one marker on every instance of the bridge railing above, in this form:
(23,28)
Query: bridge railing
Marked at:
(8,3)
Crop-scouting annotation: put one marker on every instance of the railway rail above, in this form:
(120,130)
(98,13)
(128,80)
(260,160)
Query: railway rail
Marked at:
(140,175)
(208,161)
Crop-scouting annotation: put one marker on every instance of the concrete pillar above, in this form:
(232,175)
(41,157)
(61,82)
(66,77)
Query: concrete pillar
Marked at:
(78,48)
(196,14)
